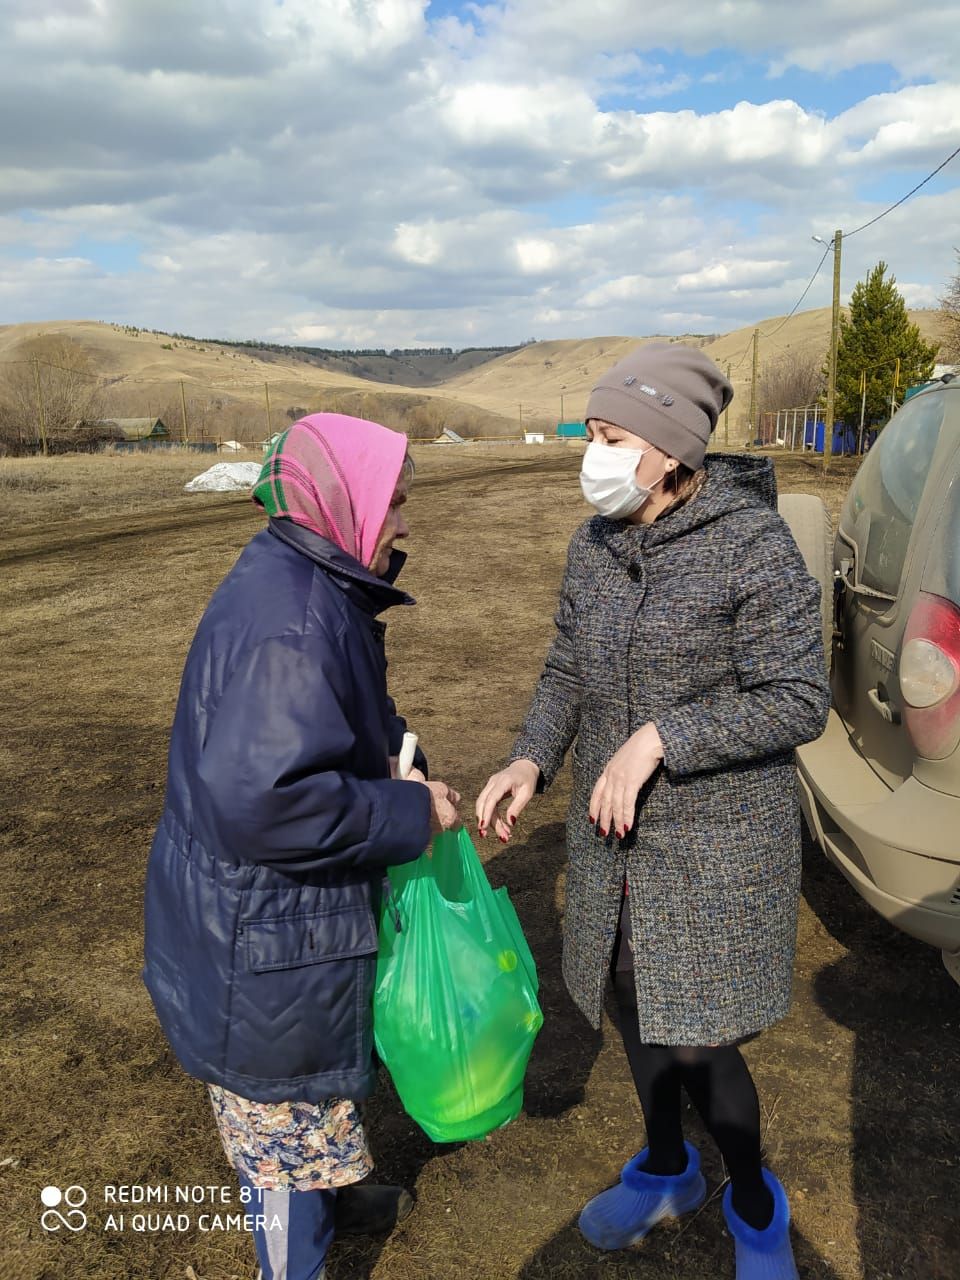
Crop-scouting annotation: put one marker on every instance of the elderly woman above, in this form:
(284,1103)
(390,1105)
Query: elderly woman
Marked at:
(687,665)
(281,816)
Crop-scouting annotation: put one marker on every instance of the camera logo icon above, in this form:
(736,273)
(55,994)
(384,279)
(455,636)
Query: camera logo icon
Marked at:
(72,1217)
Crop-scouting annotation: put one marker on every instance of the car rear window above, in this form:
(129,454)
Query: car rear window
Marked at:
(884,498)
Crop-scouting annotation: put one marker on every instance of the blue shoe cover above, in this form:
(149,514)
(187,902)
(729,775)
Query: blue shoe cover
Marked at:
(622,1216)
(766,1254)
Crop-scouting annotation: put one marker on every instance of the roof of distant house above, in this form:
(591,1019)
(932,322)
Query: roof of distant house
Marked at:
(133,428)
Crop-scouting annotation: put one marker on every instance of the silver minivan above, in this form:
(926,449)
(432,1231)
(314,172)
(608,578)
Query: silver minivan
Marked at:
(881,788)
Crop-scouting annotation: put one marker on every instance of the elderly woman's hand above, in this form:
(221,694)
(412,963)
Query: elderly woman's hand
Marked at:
(444,815)
(415,775)
(613,805)
(519,779)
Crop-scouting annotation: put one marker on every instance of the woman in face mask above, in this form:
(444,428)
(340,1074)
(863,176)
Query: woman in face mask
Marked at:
(687,665)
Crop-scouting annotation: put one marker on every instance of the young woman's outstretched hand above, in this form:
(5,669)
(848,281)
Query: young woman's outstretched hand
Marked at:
(613,804)
(519,780)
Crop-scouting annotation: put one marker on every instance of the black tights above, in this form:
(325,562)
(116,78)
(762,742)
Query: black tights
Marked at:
(719,1085)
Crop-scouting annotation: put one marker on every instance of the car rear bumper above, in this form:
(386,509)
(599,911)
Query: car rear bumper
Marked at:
(900,849)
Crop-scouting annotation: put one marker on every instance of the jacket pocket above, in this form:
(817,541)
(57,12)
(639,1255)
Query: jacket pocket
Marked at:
(301,999)
(288,942)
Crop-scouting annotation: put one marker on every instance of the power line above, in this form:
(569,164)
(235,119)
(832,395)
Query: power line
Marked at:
(784,350)
(80,373)
(743,356)
(104,381)
(800,299)
(793,310)
(74,372)
(788,316)
(913,191)
(847,236)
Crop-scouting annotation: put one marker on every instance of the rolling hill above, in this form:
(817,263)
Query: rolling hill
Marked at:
(476,393)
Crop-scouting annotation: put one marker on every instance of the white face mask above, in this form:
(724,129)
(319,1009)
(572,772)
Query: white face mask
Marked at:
(608,479)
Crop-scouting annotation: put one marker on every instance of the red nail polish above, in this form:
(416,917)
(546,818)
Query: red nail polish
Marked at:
(503,839)
(602,831)
(592,818)
(513,820)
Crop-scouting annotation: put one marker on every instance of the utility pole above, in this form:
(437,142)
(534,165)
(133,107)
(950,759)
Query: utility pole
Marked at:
(40,408)
(266,391)
(893,390)
(834,345)
(521,421)
(863,408)
(726,417)
(183,410)
(753,387)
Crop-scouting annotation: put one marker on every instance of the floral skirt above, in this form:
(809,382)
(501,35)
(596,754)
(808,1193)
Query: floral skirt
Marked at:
(292,1146)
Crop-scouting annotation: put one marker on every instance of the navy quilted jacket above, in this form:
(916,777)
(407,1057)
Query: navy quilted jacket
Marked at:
(279,821)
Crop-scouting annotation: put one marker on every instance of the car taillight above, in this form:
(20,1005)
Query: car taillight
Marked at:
(930,676)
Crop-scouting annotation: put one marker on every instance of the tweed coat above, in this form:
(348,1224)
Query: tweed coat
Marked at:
(706,623)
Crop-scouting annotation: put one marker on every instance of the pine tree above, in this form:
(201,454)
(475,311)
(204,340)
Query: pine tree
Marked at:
(873,337)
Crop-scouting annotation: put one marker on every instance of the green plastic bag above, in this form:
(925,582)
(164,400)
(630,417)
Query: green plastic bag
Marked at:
(455,1012)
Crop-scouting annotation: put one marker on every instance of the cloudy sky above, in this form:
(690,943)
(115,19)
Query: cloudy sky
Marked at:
(402,173)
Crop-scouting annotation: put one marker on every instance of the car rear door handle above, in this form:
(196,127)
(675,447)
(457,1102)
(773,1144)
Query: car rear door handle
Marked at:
(886,708)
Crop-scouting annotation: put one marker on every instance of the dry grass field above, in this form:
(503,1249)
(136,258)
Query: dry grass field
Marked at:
(105,567)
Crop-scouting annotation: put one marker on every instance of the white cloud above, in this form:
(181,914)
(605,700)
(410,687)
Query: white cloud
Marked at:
(622,289)
(161,262)
(418,245)
(531,116)
(917,123)
(820,35)
(734,274)
(535,256)
(350,170)
(920,295)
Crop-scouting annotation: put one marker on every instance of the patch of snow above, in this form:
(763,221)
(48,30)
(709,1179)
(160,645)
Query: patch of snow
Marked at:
(225,477)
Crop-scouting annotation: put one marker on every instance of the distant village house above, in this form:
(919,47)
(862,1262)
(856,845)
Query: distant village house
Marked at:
(128,430)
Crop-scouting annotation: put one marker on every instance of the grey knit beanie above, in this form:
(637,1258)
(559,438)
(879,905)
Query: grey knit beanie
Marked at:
(668,394)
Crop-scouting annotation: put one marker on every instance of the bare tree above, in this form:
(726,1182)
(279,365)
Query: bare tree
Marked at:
(54,373)
(950,316)
(425,421)
(791,380)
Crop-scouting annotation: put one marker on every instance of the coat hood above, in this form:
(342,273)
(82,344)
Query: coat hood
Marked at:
(734,482)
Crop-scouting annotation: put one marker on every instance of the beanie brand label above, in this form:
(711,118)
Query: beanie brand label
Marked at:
(647,390)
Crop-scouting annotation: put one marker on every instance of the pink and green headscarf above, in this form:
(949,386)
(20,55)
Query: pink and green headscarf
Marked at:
(335,475)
